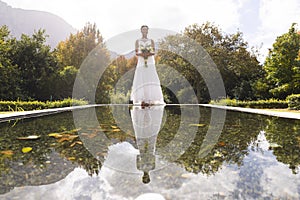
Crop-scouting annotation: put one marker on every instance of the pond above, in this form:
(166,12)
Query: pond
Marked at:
(125,152)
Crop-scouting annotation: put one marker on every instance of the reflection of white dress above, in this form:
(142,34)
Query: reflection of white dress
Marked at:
(124,156)
(146,123)
(146,85)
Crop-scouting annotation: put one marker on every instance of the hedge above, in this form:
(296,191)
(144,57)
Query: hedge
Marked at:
(271,103)
(38,105)
(293,101)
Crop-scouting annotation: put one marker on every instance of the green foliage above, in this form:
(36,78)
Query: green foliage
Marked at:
(293,101)
(282,66)
(116,81)
(9,88)
(83,55)
(35,64)
(65,81)
(74,50)
(239,67)
(271,103)
(38,105)
(119,98)
(30,70)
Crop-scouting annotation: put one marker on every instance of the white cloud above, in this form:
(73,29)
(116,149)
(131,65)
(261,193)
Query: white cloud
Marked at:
(276,17)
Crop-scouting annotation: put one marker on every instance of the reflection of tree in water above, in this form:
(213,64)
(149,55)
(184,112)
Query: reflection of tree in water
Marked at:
(50,159)
(80,155)
(170,127)
(238,132)
(286,135)
(110,126)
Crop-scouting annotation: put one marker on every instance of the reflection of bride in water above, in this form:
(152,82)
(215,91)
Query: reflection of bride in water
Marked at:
(146,121)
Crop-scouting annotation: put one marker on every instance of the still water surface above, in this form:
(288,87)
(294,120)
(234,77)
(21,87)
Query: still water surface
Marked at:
(179,152)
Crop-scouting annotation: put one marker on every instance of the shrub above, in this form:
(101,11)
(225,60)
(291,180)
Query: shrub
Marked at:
(119,98)
(38,105)
(271,103)
(293,101)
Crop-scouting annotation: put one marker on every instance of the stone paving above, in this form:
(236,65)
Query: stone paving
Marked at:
(38,113)
(283,114)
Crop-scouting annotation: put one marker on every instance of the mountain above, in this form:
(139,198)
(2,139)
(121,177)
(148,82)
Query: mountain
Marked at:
(21,21)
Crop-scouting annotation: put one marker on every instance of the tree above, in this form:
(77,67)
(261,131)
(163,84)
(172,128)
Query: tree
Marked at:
(9,88)
(65,82)
(74,50)
(36,65)
(238,66)
(82,54)
(282,66)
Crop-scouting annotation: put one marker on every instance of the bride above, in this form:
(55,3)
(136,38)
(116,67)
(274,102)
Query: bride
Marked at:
(146,89)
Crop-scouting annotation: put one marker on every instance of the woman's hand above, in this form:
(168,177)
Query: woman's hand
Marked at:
(145,55)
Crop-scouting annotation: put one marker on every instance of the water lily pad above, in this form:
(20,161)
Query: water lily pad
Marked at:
(26,149)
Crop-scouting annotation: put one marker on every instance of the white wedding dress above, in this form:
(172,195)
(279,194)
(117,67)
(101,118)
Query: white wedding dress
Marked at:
(146,84)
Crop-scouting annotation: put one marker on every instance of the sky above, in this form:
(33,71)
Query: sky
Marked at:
(261,21)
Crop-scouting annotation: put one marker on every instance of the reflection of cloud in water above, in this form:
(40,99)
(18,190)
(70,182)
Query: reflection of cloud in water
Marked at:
(122,157)
(77,185)
(261,176)
(173,182)
(284,185)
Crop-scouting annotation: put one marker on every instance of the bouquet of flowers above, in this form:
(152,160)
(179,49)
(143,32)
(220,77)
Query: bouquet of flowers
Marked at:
(146,50)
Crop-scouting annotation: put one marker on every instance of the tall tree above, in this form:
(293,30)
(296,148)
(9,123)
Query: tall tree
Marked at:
(282,66)
(71,55)
(64,82)
(238,66)
(36,65)
(9,87)
(74,50)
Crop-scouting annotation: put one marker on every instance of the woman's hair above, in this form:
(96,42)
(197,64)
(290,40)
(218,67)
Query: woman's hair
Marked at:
(146,178)
(144,26)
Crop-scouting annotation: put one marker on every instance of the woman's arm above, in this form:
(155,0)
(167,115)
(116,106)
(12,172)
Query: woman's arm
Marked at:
(153,47)
(137,48)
